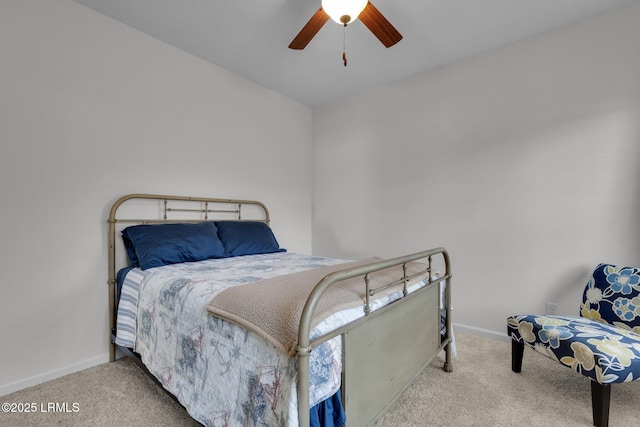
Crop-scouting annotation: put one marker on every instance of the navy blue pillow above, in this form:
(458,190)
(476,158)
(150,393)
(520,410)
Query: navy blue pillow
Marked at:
(247,238)
(163,244)
(131,251)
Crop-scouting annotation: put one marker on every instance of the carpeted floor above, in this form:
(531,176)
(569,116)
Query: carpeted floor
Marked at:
(481,391)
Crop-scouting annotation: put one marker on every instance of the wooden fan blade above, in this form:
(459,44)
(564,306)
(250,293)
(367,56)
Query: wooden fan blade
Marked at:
(379,26)
(309,30)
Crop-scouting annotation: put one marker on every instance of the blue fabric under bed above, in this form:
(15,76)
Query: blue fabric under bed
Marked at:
(328,413)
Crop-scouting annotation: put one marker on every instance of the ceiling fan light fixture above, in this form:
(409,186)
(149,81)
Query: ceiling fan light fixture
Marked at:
(344,11)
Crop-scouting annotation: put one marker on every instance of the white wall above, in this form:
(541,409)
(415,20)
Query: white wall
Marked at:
(522,162)
(91,110)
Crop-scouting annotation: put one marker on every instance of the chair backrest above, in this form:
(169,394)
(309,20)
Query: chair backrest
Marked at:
(613,296)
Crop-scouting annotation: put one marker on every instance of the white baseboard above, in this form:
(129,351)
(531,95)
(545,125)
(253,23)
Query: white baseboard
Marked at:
(47,376)
(481,332)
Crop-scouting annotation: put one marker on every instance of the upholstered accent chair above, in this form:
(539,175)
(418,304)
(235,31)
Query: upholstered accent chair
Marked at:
(603,343)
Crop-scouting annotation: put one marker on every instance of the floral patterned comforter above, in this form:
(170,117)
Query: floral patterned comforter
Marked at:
(222,374)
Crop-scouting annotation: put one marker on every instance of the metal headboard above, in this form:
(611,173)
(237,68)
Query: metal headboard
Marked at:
(135,209)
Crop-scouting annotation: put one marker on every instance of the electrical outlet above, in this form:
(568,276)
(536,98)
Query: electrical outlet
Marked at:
(552,308)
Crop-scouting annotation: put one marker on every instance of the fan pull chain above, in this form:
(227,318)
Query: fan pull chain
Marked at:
(344,45)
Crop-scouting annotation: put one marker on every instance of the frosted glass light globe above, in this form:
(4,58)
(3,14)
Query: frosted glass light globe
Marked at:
(349,9)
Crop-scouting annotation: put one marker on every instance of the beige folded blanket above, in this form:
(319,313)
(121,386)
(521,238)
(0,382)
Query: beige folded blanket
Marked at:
(272,307)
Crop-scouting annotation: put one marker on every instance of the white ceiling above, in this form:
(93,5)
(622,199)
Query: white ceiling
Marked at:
(250,37)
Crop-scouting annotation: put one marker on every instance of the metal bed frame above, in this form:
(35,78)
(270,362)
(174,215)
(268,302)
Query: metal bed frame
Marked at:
(410,325)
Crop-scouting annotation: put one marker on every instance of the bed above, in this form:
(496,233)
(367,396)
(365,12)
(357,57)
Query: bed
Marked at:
(242,332)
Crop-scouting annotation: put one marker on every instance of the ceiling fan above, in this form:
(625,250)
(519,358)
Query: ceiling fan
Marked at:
(345,12)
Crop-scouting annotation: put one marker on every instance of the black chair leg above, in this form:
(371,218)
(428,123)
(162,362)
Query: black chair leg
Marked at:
(517,351)
(600,398)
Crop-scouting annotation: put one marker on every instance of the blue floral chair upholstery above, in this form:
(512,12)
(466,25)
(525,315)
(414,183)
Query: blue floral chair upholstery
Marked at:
(603,343)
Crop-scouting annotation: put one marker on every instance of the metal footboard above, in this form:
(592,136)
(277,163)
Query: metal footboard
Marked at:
(415,318)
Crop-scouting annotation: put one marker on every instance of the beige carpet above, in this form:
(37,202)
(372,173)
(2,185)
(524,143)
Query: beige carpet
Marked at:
(482,391)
